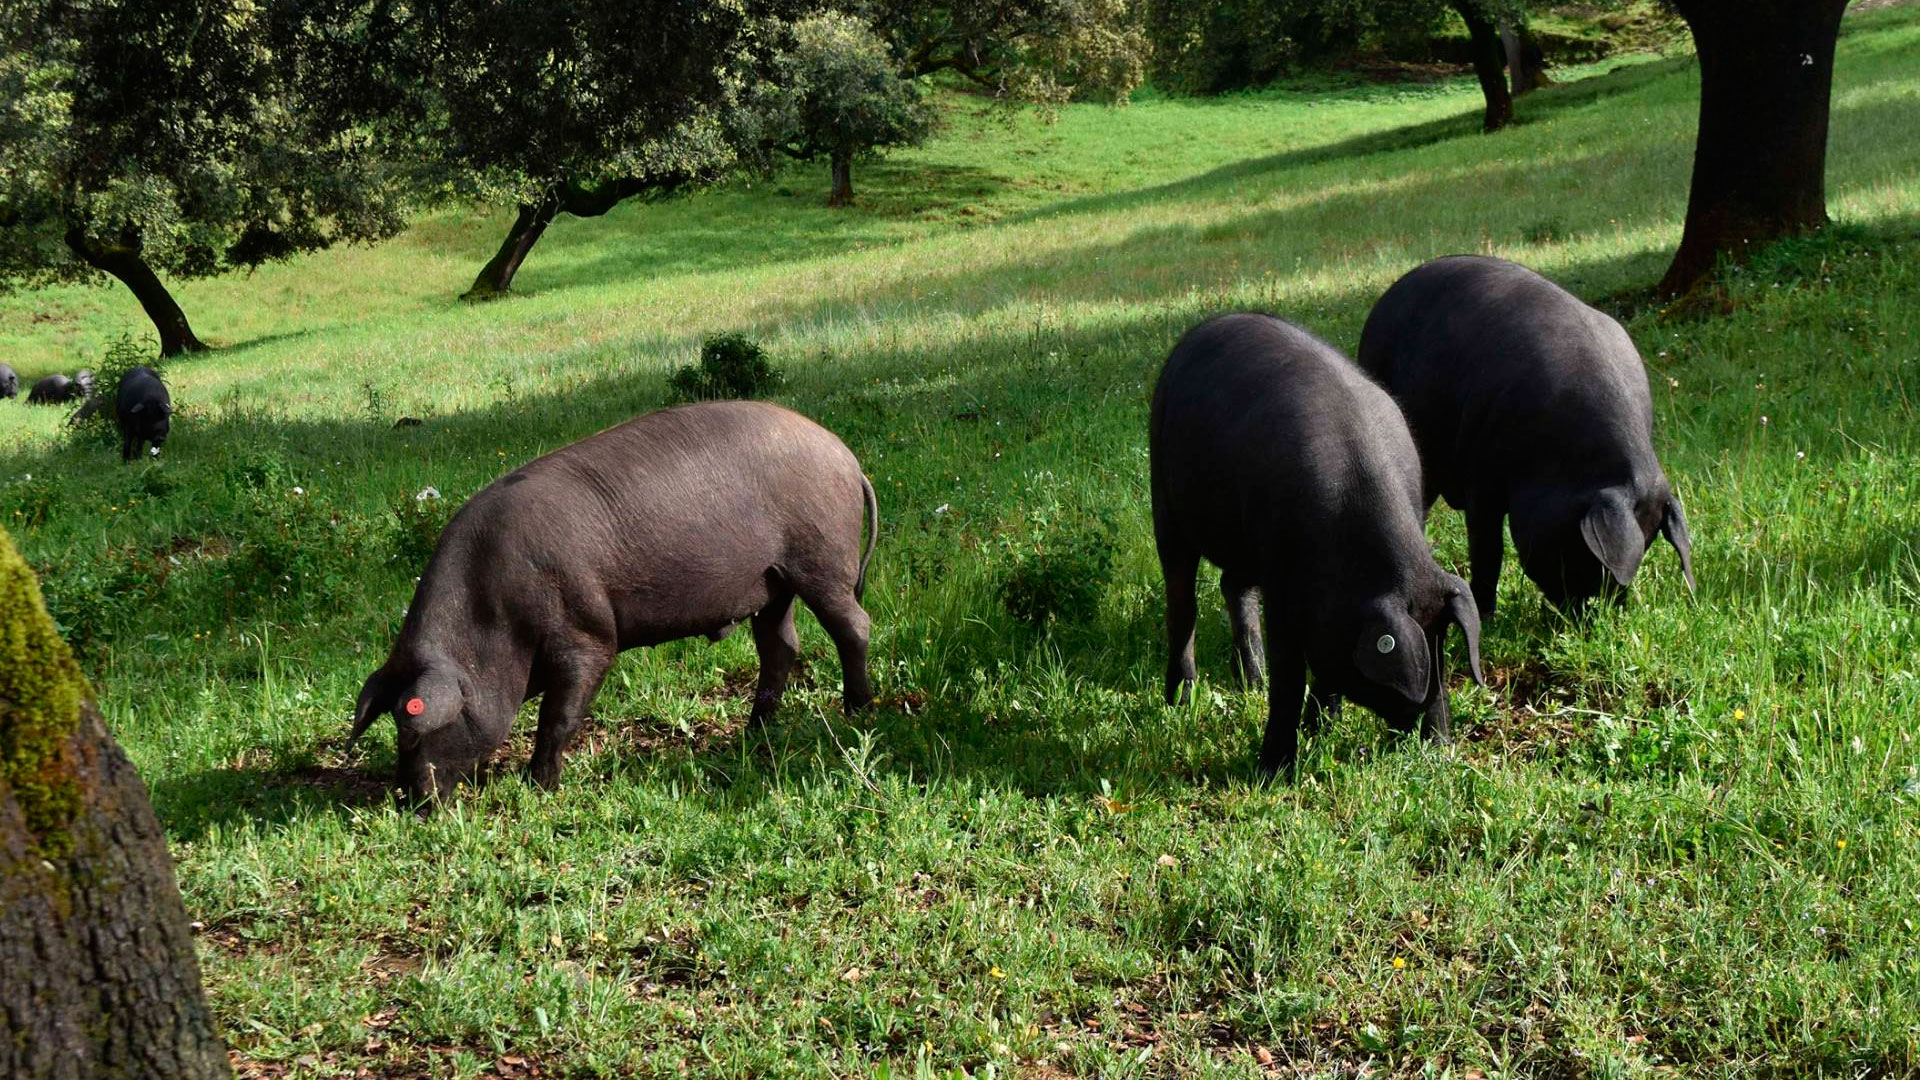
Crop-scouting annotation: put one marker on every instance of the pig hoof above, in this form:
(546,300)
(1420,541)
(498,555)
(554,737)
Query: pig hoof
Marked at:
(1179,691)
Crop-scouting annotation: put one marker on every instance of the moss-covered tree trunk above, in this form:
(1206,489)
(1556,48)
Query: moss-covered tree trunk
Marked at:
(98,977)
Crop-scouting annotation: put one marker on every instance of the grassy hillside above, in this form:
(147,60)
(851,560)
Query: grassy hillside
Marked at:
(1683,838)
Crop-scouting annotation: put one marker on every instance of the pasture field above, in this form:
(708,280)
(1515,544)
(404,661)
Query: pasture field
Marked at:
(1680,839)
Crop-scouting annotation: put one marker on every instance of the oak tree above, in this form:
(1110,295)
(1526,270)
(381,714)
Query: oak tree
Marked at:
(142,138)
(100,973)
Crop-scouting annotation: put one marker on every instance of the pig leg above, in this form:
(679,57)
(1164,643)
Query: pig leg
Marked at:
(1437,726)
(571,684)
(1243,612)
(126,447)
(775,639)
(1179,569)
(846,622)
(1286,686)
(1486,548)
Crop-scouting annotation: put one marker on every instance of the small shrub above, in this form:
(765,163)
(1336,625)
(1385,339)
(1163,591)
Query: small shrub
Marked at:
(731,366)
(92,421)
(1058,570)
(257,471)
(422,517)
(297,546)
(29,502)
(91,600)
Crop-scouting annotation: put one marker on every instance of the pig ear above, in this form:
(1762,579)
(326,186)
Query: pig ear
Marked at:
(1613,535)
(1393,652)
(1466,614)
(1674,527)
(376,697)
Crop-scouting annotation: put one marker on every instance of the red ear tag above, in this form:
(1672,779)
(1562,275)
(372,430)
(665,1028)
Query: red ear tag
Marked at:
(415,706)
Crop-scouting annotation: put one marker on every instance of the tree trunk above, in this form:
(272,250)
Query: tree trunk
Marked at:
(100,974)
(1759,161)
(123,261)
(496,278)
(1489,63)
(842,193)
(1526,63)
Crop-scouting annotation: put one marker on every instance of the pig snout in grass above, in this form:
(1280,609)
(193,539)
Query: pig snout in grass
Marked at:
(1532,408)
(52,390)
(1276,459)
(9,382)
(144,410)
(683,522)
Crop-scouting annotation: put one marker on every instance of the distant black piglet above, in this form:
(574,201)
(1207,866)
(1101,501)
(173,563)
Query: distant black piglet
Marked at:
(143,410)
(9,383)
(52,390)
(1532,407)
(682,522)
(1274,458)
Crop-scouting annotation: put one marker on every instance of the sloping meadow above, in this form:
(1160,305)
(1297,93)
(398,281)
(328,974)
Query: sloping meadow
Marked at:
(1680,835)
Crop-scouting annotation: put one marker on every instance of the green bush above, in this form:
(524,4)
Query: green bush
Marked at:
(421,516)
(731,366)
(28,502)
(92,421)
(1058,569)
(297,546)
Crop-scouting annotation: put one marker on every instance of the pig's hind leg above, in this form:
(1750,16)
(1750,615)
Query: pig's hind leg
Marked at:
(1243,613)
(778,644)
(571,682)
(848,624)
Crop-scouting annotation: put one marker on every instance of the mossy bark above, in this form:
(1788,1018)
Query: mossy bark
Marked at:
(101,980)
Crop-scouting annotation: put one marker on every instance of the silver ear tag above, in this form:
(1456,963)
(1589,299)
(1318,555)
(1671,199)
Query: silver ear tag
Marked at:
(1385,644)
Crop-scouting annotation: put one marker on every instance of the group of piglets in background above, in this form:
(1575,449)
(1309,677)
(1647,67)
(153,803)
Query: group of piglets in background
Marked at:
(1309,478)
(1306,478)
(141,405)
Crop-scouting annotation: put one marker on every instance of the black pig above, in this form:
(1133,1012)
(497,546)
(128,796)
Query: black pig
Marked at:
(1532,407)
(52,390)
(9,383)
(143,410)
(681,522)
(1275,459)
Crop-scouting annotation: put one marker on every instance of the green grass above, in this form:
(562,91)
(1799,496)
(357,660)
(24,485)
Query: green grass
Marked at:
(1683,836)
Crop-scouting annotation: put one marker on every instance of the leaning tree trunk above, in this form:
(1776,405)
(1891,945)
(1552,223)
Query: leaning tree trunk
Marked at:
(1760,159)
(1489,64)
(100,978)
(1526,63)
(124,262)
(842,193)
(496,278)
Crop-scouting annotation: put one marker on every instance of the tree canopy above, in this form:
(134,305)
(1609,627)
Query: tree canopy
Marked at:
(141,138)
(837,93)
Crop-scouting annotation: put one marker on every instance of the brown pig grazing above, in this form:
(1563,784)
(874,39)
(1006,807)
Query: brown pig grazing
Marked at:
(686,521)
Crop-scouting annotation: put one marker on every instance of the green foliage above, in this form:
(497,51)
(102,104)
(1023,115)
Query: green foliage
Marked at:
(92,421)
(297,548)
(836,93)
(41,690)
(731,366)
(195,136)
(1043,51)
(421,517)
(1058,566)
